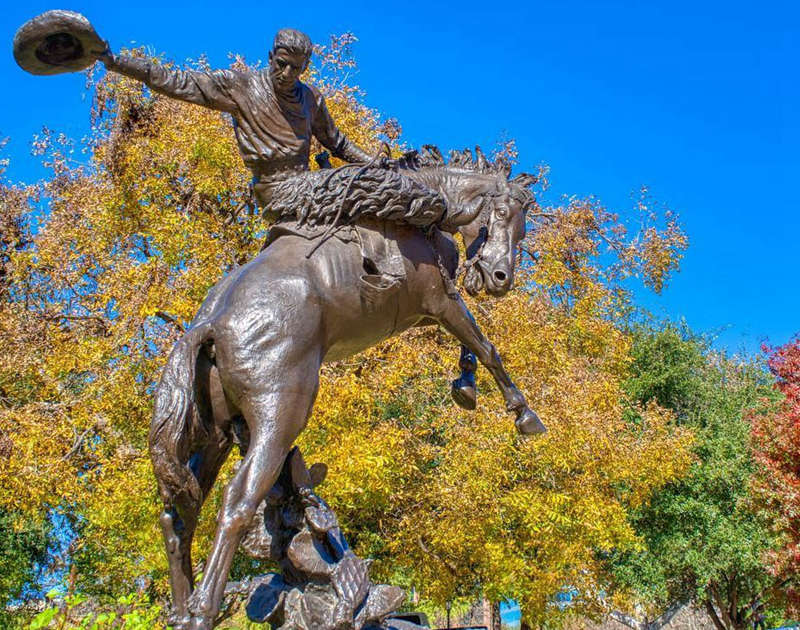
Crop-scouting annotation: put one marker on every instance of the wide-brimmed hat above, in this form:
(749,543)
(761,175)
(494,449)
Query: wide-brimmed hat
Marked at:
(56,42)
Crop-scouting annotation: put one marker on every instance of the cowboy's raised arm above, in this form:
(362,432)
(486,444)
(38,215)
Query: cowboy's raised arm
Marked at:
(209,89)
(329,135)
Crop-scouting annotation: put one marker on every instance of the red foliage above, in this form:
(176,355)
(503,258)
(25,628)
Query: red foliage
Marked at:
(776,438)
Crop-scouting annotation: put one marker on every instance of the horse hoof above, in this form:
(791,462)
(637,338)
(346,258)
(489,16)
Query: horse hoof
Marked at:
(463,394)
(528,423)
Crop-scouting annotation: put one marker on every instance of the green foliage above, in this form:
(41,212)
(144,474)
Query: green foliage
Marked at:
(133,611)
(666,368)
(704,541)
(23,543)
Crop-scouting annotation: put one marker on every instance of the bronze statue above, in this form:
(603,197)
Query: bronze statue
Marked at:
(249,360)
(358,254)
(322,585)
(275,116)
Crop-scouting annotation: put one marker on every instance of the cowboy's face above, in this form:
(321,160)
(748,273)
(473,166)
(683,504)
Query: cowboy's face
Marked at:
(285,68)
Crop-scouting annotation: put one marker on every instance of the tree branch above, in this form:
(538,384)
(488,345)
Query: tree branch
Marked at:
(713,614)
(170,319)
(80,318)
(448,565)
(78,443)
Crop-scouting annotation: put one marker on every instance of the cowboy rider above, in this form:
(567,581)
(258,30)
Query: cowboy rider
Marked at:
(275,116)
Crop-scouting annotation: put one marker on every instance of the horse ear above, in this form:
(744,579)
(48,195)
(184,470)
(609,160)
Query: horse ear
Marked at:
(525,179)
(483,164)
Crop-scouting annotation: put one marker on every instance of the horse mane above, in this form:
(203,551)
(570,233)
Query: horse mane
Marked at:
(430,156)
(340,196)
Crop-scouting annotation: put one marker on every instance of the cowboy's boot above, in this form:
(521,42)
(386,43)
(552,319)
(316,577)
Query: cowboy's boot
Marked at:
(463,390)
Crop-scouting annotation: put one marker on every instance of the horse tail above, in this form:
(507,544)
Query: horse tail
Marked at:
(176,425)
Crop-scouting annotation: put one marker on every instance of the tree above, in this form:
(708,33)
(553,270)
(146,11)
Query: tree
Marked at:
(704,539)
(776,434)
(23,537)
(23,549)
(127,245)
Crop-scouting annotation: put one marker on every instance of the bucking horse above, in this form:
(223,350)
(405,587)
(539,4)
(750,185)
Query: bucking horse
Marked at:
(247,368)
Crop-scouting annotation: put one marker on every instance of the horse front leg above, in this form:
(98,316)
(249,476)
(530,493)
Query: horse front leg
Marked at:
(463,390)
(458,321)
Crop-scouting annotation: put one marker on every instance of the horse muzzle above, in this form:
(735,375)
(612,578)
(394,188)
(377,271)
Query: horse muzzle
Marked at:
(497,280)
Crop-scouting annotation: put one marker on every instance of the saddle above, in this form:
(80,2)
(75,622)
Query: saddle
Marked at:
(362,203)
(384,269)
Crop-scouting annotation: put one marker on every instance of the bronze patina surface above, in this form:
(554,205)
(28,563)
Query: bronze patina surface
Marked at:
(250,361)
(55,42)
(359,254)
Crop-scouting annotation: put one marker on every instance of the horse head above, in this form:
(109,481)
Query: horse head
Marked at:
(488,210)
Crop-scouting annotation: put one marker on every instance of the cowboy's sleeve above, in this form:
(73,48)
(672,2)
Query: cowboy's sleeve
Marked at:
(329,135)
(209,89)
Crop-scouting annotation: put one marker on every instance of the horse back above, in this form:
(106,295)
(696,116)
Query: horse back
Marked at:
(296,284)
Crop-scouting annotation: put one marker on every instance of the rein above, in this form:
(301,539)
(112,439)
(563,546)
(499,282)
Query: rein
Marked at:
(483,234)
(335,226)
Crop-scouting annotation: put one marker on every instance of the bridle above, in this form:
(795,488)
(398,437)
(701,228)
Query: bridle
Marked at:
(483,231)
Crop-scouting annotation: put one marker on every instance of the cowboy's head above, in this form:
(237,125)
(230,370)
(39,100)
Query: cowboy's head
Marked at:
(289,57)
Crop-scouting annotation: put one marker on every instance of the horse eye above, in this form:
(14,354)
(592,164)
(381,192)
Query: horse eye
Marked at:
(501,212)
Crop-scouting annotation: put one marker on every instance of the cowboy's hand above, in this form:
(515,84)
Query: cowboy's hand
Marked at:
(105,55)
(389,163)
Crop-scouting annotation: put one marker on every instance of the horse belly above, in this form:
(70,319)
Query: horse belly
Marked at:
(355,315)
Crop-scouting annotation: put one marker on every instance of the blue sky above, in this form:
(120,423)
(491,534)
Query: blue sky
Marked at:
(697,100)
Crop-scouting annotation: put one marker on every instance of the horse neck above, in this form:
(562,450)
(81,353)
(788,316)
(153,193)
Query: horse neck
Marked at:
(452,184)
(433,178)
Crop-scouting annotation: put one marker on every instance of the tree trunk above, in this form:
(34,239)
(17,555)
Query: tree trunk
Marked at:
(496,622)
(714,616)
(486,610)
(491,614)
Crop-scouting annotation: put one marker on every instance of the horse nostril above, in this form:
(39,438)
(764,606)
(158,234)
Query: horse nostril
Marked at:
(500,276)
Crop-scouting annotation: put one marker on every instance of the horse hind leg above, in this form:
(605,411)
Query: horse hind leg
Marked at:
(275,417)
(177,527)
(178,524)
(178,520)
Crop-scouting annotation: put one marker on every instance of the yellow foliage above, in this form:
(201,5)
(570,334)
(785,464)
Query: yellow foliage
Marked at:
(449,501)
(458,498)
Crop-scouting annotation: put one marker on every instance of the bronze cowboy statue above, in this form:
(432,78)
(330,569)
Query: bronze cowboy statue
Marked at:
(364,252)
(275,117)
